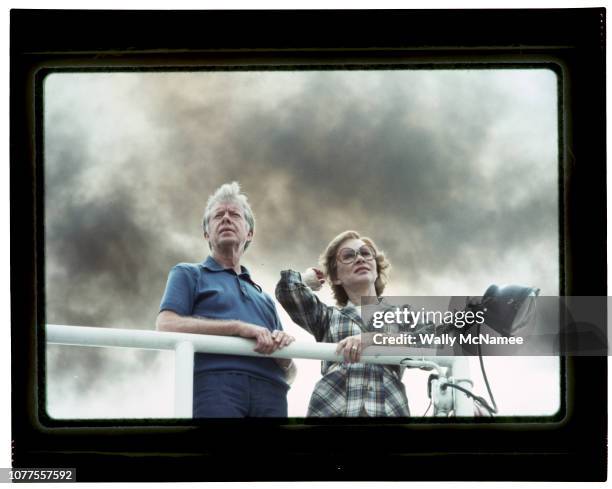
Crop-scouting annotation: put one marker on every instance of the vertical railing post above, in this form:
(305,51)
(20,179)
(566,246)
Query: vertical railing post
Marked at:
(464,406)
(183,380)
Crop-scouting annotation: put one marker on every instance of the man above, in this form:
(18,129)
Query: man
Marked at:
(218,297)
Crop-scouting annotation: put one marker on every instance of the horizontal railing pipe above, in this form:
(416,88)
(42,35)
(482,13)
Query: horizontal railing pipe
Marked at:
(186,344)
(163,340)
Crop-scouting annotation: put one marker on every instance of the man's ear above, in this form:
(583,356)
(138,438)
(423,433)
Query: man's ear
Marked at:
(207,238)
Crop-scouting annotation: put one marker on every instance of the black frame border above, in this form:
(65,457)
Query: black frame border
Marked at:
(572,448)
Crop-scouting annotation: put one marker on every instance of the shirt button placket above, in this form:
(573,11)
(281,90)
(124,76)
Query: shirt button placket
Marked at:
(242,288)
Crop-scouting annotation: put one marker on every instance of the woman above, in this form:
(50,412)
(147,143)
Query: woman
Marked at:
(354,268)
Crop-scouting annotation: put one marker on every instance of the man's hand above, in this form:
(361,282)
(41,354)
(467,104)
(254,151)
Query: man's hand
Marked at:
(351,348)
(313,278)
(282,339)
(267,342)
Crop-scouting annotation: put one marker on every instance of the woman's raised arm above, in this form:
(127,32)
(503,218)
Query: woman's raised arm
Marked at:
(302,304)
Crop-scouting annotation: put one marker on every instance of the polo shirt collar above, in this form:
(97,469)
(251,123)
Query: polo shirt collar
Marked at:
(212,265)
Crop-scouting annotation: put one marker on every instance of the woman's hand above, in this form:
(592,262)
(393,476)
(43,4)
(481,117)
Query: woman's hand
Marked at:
(313,278)
(351,348)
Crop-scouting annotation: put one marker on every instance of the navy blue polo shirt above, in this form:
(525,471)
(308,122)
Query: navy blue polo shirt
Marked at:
(208,290)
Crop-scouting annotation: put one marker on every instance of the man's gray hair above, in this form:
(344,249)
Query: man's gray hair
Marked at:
(229,192)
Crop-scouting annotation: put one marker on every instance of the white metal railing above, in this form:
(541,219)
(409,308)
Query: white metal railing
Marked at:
(185,345)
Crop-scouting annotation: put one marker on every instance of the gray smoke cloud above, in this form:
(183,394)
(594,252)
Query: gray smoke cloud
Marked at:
(452,172)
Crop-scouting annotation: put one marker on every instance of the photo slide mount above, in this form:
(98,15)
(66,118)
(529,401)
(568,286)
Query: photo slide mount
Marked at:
(571,446)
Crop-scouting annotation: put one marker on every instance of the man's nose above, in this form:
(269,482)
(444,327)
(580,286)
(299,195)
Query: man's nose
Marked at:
(359,258)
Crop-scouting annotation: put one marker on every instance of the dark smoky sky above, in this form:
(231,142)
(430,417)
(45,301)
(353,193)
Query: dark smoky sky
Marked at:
(452,172)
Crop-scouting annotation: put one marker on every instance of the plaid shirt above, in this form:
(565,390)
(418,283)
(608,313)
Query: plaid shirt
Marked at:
(353,389)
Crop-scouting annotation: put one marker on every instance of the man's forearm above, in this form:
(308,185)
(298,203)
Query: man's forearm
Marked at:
(264,341)
(169,321)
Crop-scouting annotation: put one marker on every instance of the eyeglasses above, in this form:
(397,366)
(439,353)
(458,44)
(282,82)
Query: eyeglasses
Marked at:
(349,255)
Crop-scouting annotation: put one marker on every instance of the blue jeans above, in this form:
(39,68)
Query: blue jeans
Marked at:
(237,395)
